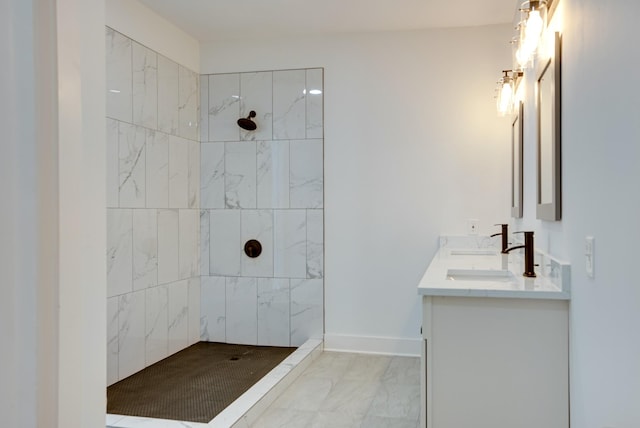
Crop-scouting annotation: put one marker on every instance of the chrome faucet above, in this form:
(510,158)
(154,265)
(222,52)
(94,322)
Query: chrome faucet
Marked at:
(505,235)
(528,254)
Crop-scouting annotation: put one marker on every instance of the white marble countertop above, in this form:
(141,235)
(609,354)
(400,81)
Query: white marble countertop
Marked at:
(552,281)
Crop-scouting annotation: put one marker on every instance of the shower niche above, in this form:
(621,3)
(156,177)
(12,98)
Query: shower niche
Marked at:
(261,180)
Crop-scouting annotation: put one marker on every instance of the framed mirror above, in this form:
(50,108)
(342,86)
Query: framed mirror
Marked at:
(516,163)
(549,178)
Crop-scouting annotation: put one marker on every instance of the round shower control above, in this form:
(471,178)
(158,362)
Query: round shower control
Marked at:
(252,248)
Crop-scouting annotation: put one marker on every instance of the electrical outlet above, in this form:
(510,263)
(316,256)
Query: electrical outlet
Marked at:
(472,226)
(589,255)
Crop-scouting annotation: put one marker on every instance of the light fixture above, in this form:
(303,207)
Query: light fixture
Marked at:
(506,92)
(531,28)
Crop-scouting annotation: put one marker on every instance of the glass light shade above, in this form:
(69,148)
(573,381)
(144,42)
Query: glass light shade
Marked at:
(531,30)
(505,97)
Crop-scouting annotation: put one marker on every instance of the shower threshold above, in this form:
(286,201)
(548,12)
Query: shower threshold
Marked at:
(246,408)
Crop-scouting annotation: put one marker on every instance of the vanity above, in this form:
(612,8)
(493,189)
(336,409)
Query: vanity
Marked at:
(495,348)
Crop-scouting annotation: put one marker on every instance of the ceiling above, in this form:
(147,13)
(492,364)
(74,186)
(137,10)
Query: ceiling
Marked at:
(208,20)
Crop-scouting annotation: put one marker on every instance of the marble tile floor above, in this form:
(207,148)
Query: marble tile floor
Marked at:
(350,390)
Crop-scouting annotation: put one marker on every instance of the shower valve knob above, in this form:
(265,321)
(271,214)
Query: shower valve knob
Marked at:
(252,248)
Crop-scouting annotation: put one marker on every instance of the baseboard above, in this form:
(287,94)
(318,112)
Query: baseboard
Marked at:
(373,344)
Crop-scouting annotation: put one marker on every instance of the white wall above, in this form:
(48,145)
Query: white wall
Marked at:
(600,134)
(413,147)
(138,22)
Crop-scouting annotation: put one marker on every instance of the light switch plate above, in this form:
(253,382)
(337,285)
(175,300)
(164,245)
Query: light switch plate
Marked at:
(589,255)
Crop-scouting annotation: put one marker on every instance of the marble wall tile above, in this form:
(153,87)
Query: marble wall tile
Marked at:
(224,107)
(131,333)
(257,224)
(156,324)
(168,96)
(204,242)
(240,174)
(193,175)
(131,169)
(314,99)
(119,251)
(119,76)
(168,246)
(178,316)
(194,310)
(157,170)
(256,91)
(112,340)
(306,179)
(188,107)
(273,312)
(272,174)
(307,302)
(212,309)
(178,172)
(224,240)
(145,249)
(315,244)
(289,239)
(145,86)
(241,309)
(189,237)
(289,104)
(212,175)
(113,181)
(204,108)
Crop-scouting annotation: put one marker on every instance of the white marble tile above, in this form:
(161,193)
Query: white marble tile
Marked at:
(273,312)
(193,177)
(119,76)
(131,169)
(188,109)
(368,368)
(289,241)
(194,310)
(212,309)
(241,309)
(314,99)
(145,86)
(131,333)
(291,418)
(168,96)
(307,302)
(315,244)
(112,419)
(145,248)
(256,93)
(240,174)
(178,172)
(140,422)
(350,397)
(289,104)
(224,240)
(306,174)
(157,170)
(212,175)
(113,181)
(403,370)
(157,325)
(119,252)
(204,242)
(189,243)
(384,422)
(204,108)
(224,107)
(257,224)
(112,340)
(397,401)
(273,174)
(178,316)
(336,419)
(168,246)
(306,393)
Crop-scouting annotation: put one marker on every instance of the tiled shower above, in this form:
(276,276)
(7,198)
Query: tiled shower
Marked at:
(186,188)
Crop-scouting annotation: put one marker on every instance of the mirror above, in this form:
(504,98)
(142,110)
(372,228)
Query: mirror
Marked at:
(516,163)
(548,205)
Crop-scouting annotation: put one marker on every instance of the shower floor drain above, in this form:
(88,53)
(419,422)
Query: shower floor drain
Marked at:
(195,384)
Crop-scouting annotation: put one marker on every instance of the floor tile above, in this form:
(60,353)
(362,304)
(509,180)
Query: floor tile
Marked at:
(396,401)
(381,422)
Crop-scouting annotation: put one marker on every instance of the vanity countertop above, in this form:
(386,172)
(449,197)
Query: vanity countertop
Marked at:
(481,271)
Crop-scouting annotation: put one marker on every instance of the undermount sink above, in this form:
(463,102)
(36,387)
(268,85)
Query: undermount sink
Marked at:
(479,275)
(473,252)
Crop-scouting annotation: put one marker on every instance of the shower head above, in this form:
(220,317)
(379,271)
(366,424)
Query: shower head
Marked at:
(247,123)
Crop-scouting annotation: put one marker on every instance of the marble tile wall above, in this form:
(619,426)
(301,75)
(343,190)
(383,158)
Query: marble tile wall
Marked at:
(153,206)
(267,185)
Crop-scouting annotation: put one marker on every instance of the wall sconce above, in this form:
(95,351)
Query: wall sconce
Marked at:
(506,92)
(531,27)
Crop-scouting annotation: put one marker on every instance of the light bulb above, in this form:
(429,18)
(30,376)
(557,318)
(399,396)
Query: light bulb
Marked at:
(534,25)
(505,98)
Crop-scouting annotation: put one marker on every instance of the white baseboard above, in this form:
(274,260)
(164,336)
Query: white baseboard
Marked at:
(373,344)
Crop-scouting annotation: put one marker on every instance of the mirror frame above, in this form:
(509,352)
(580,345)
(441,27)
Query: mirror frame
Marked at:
(550,69)
(517,128)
